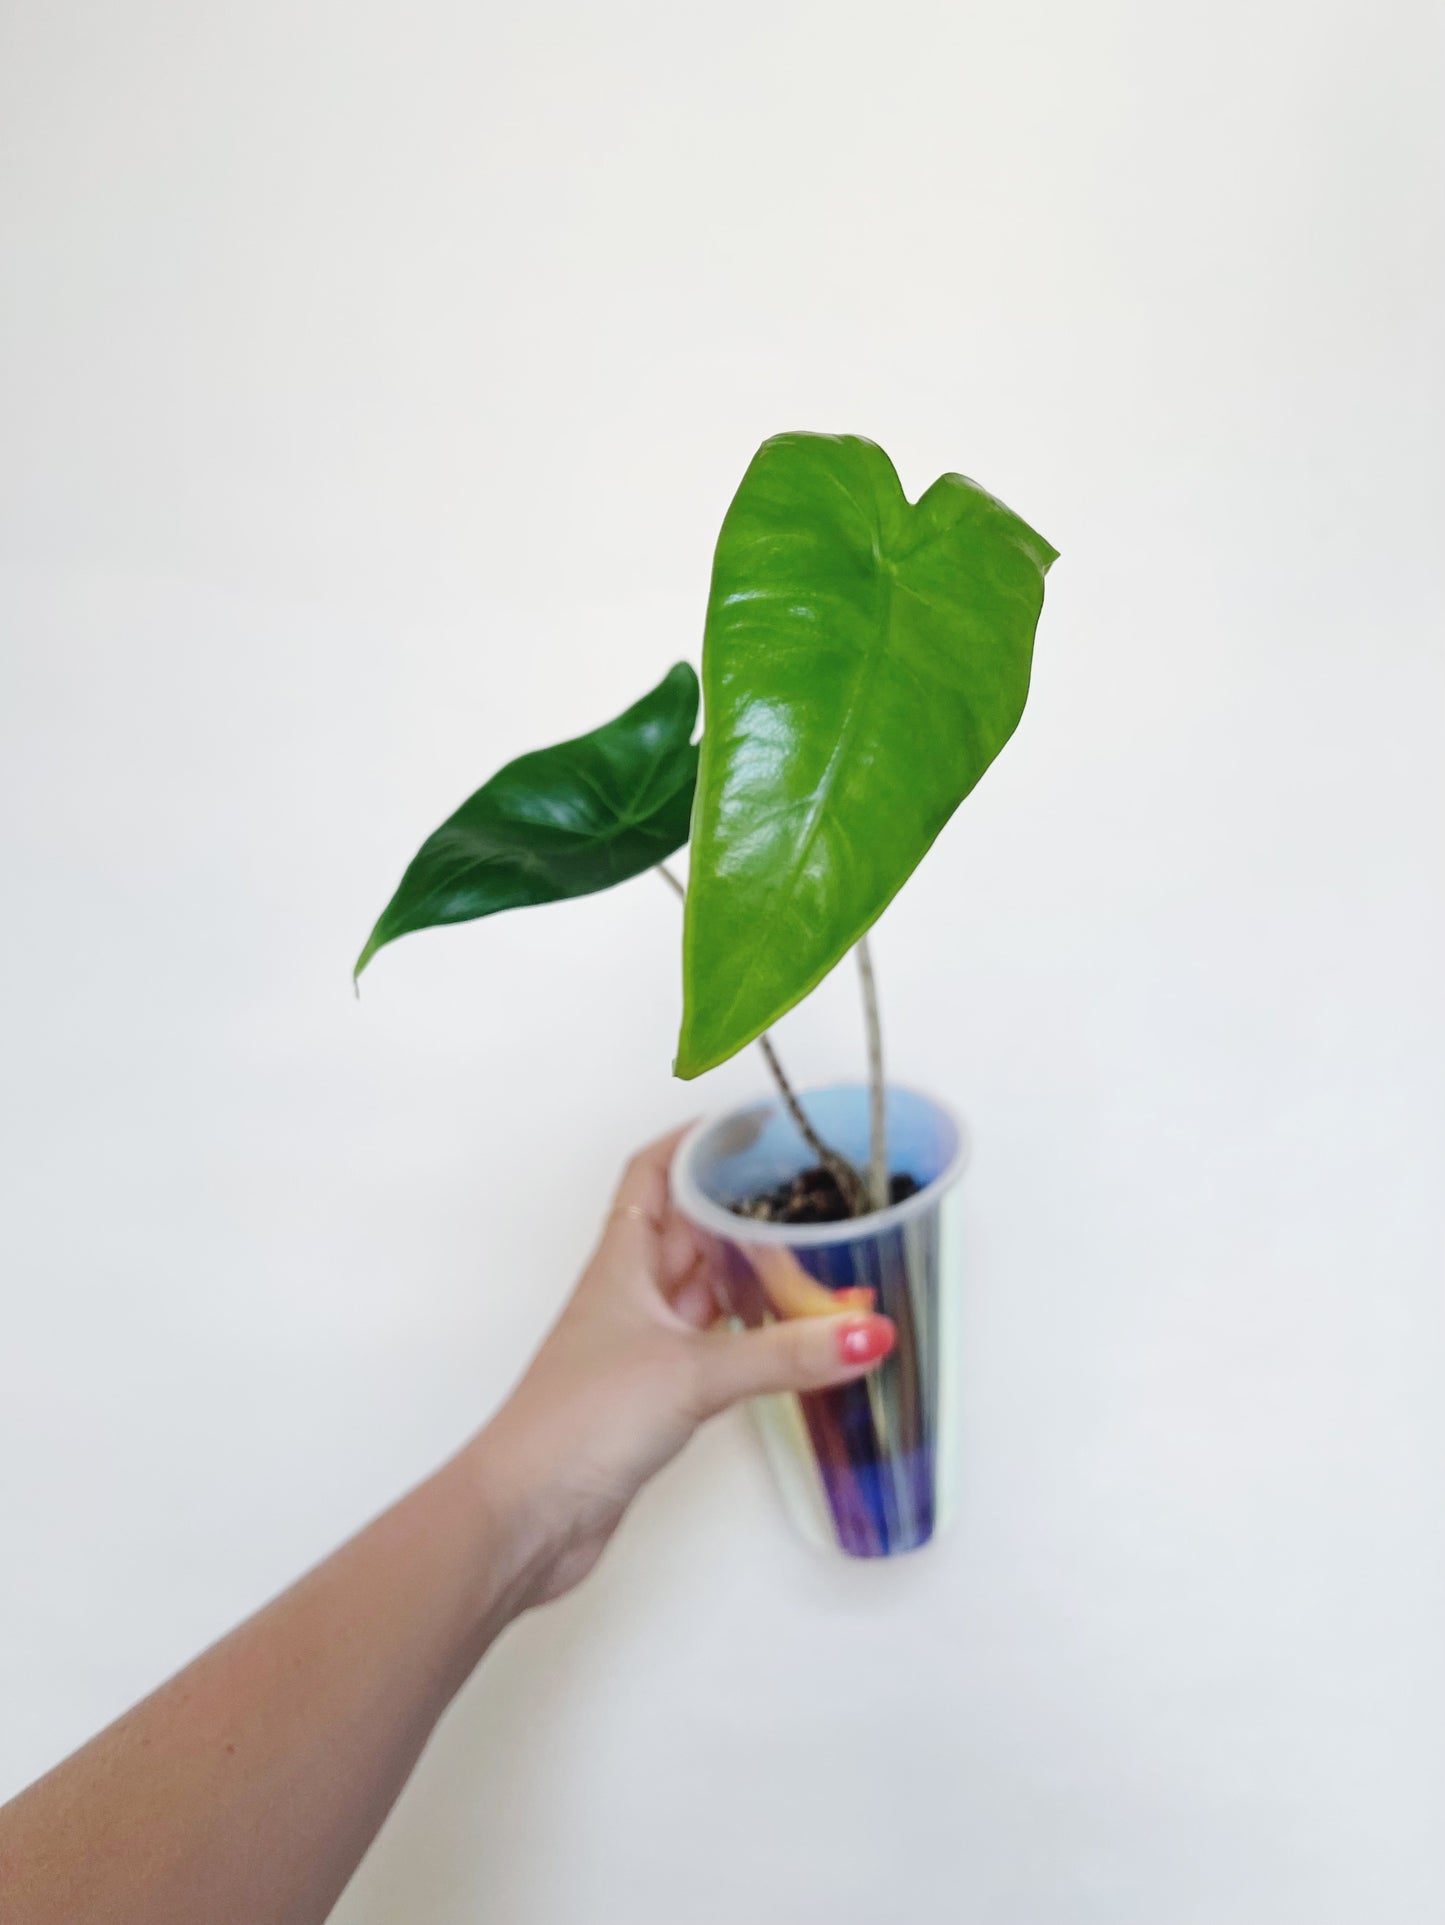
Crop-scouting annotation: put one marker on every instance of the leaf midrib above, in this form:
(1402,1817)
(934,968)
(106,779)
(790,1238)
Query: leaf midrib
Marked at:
(621,823)
(496,857)
(867,669)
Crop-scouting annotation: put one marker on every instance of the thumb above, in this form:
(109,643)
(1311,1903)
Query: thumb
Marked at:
(800,1353)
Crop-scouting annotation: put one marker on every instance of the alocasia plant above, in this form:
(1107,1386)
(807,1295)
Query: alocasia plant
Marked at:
(864,661)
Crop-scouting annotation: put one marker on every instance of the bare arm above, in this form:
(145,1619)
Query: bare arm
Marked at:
(246,1789)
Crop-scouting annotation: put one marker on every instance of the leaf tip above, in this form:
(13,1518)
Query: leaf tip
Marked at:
(372,945)
(702,1047)
(688,1062)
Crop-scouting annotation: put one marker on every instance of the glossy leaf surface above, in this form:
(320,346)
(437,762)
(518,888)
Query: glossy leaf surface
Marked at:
(865,660)
(564,821)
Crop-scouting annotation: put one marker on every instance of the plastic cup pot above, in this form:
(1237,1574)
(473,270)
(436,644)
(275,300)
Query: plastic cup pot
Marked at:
(868,1468)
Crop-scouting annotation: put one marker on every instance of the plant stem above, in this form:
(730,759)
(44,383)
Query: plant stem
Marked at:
(844,1175)
(877,1117)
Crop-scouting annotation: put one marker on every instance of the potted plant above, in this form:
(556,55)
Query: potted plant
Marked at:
(864,660)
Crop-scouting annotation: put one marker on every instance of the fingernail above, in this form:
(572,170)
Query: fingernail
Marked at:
(863,1340)
(857,1297)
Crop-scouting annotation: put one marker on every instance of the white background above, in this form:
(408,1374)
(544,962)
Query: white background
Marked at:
(373,379)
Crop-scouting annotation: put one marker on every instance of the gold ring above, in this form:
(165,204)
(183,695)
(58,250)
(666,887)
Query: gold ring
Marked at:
(636,1212)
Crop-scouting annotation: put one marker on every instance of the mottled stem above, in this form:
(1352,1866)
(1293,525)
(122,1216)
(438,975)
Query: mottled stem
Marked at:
(841,1170)
(878,1188)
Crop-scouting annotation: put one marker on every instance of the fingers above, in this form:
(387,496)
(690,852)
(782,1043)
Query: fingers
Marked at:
(678,1253)
(645,1178)
(640,1206)
(686,1274)
(810,1353)
(695,1299)
(794,1293)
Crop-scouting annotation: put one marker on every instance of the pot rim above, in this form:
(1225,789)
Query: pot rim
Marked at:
(699,1208)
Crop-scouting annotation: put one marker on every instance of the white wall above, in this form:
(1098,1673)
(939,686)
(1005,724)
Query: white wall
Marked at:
(372,381)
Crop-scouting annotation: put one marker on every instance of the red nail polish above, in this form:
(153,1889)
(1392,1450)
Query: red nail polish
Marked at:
(863,1340)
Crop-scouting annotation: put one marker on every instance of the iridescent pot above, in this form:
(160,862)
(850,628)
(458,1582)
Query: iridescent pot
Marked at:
(867,1469)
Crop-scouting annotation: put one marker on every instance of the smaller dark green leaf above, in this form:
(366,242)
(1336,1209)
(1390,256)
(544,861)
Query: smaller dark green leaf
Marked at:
(564,821)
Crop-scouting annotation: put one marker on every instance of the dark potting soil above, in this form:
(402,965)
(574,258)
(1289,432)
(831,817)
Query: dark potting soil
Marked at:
(812,1196)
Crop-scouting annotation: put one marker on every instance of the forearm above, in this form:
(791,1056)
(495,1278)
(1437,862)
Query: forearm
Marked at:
(245,1791)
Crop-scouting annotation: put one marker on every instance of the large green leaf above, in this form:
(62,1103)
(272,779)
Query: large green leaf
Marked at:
(563,821)
(864,661)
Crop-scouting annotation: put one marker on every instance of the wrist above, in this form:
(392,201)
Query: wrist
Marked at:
(523,1531)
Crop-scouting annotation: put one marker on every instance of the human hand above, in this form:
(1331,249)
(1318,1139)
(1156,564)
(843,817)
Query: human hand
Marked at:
(630,1370)
(250,1785)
